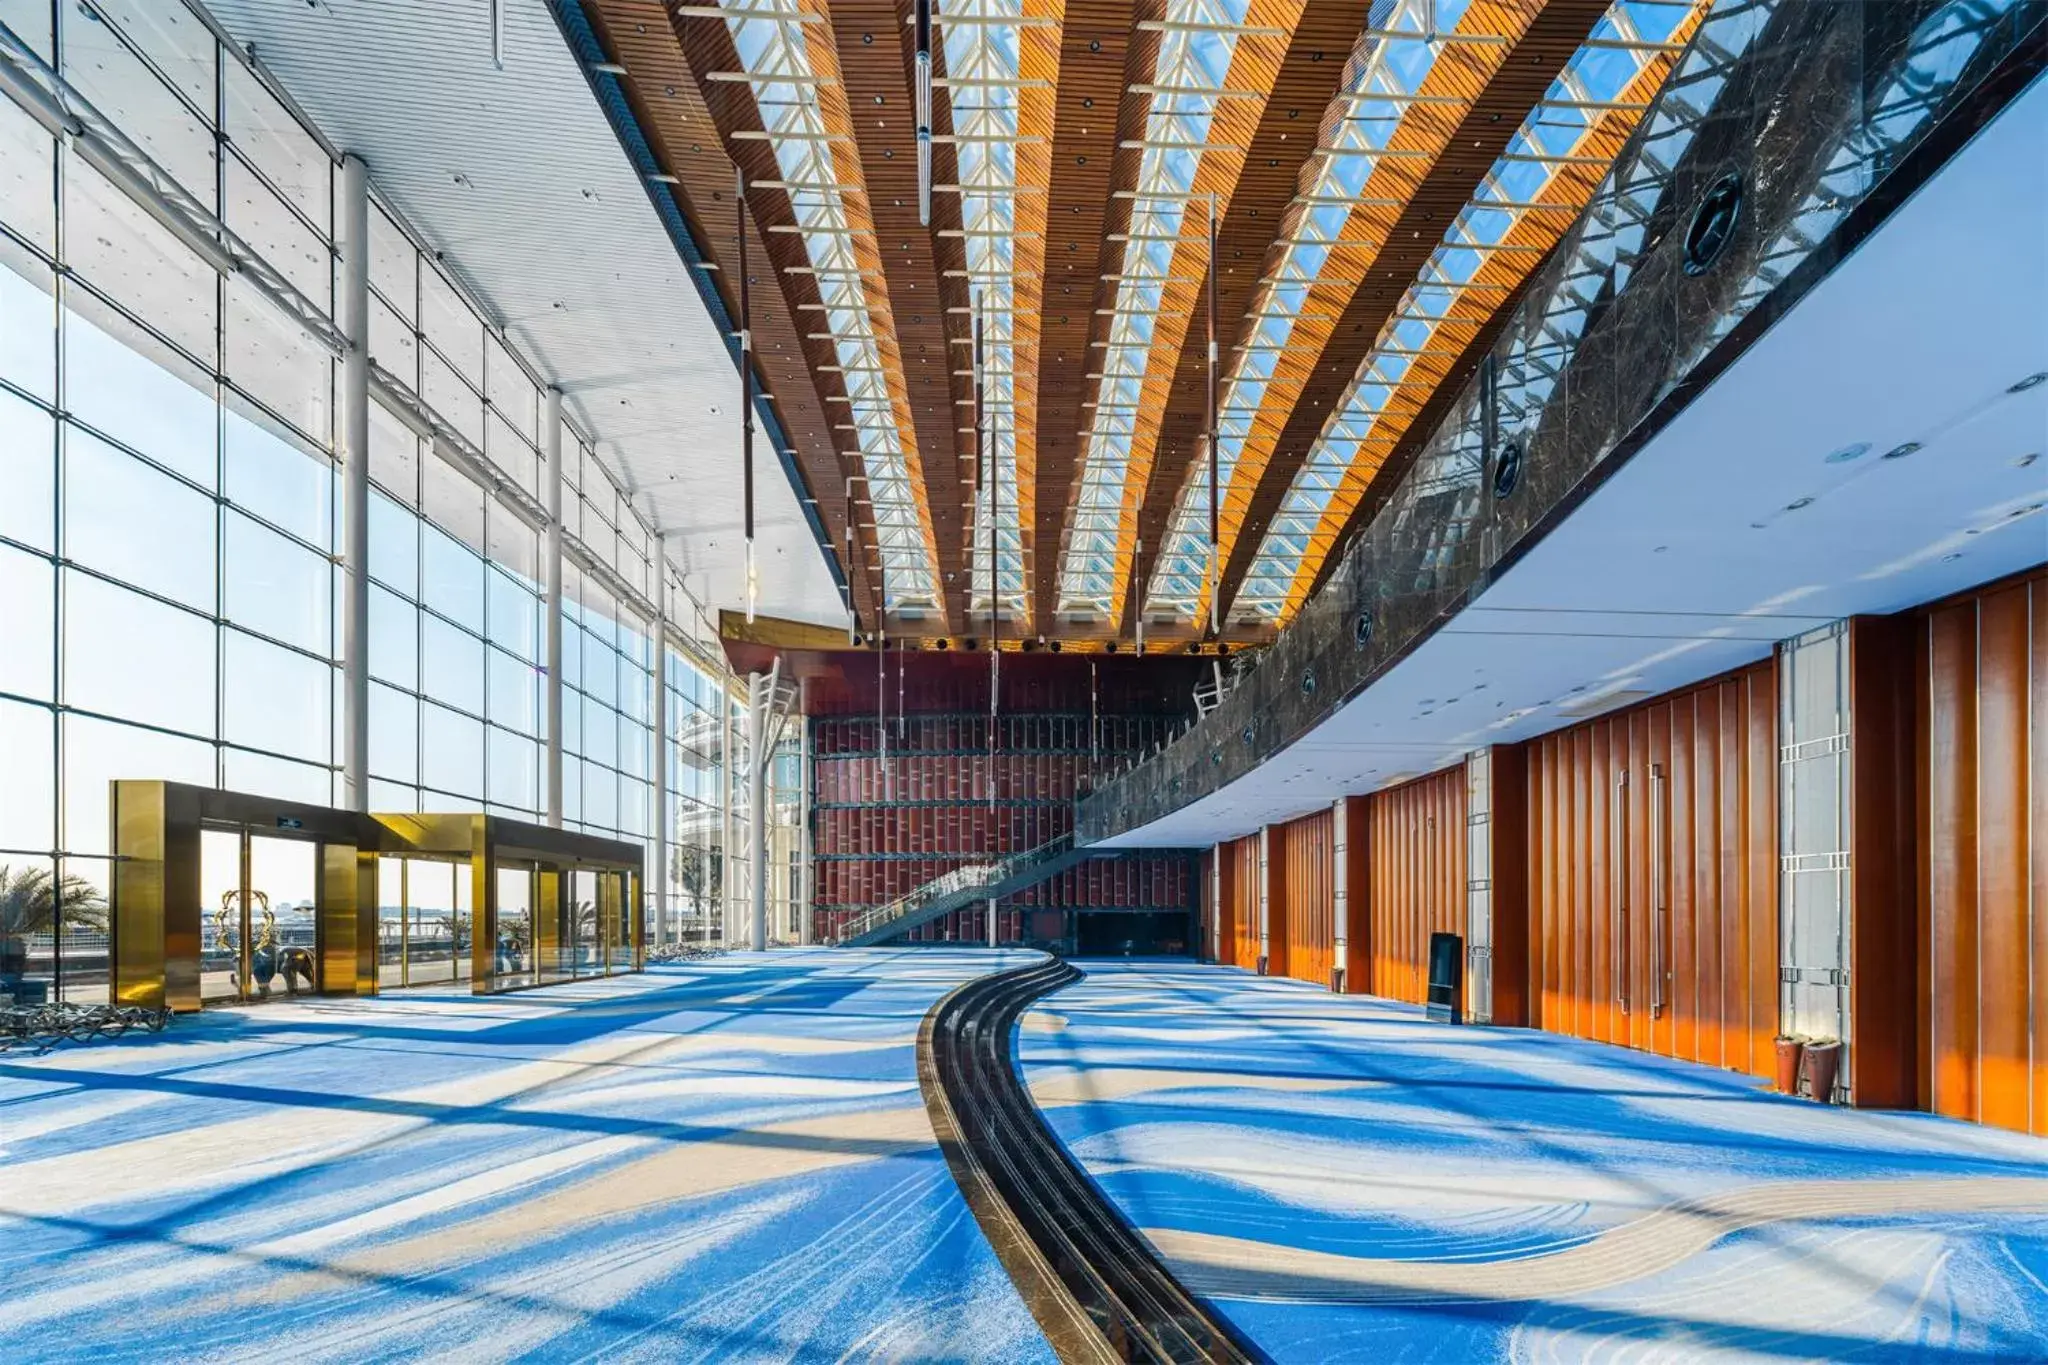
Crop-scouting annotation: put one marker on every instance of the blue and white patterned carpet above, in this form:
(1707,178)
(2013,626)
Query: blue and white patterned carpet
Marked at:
(1346,1181)
(722,1161)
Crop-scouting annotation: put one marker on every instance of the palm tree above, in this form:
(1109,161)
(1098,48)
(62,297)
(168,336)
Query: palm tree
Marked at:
(34,902)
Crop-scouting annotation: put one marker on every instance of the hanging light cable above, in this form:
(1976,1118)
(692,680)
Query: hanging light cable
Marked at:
(924,111)
(746,387)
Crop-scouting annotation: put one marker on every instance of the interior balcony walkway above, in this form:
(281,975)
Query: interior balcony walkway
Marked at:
(1345,1181)
(723,1160)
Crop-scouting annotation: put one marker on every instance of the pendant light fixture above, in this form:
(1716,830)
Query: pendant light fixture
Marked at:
(924,111)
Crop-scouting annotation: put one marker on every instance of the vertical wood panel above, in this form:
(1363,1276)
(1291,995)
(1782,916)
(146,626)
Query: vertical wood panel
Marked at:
(1508,834)
(1304,850)
(1415,882)
(1714,865)
(2037,843)
(1952,865)
(1883,842)
(1359,931)
(2002,937)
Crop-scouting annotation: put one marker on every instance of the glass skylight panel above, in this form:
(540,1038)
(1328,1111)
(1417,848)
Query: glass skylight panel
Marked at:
(769,47)
(1446,303)
(1371,110)
(983,71)
(1191,61)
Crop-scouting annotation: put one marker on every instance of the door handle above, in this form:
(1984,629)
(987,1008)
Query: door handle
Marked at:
(1617,840)
(1658,906)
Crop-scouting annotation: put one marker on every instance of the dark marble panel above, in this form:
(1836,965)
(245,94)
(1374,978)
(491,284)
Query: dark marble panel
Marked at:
(1825,114)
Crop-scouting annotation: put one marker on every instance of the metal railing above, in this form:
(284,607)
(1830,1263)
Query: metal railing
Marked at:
(966,883)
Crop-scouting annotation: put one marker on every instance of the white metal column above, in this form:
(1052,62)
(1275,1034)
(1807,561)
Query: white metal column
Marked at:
(551,438)
(661,816)
(354,242)
(805,928)
(1265,890)
(1340,878)
(1479,886)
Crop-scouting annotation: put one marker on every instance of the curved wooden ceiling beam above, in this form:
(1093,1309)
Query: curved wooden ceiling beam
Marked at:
(676,111)
(1307,81)
(1124,426)
(1102,54)
(1568,185)
(1510,80)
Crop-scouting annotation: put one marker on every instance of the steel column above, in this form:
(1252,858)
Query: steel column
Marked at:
(661,817)
(354,301)
(551,438)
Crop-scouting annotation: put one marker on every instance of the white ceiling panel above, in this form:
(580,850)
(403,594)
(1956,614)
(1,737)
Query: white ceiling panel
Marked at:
(516,177)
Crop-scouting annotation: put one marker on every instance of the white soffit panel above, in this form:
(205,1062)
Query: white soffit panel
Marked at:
(550,229)
(1766,509)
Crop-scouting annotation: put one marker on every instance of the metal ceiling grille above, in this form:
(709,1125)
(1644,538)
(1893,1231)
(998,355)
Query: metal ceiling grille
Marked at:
(1533,192)
(827,204)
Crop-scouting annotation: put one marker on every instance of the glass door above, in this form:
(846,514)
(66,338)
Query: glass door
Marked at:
(512,958)
(258,932)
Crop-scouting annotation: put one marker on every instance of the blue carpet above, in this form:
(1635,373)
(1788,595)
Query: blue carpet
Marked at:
(725,1160)
(1346,1181)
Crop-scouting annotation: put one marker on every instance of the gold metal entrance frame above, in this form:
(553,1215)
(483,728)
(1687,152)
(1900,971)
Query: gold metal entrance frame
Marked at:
(157,915)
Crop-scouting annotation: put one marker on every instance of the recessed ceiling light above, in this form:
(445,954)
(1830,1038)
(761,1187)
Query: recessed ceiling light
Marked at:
(1847,453)
(2029,382)
(1898,452)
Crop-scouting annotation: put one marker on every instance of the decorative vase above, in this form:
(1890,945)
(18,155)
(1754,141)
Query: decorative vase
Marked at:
(1789,1050)
(1823,1064)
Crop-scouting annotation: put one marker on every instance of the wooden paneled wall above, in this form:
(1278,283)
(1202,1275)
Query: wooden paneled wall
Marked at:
(1508,836)
(1357,817)
(1982,704)
(1415,880)
(1240,901)
(1653,851)
(1303,855)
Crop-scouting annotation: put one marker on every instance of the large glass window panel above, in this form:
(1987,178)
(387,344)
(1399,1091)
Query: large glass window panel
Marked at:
(283,778)
(82,961)
(600,796)
(392,343)
(28,464)
(278,234)
(136,523)
(430,932)
(453,502)
(394,734)
(127,256)
(510,391)
(514,688)
(28,173)
(394,639)
(131,656)
(451,751)
(120,85)
(265,131)
(450,327)
(448,394)
(394,456)
(452,579)
(274,361)
(514,768)
(514,614)
(28,624)
(28,323)
(277,586)
(600,731)
(31,22)
(451,664)
(394,545)
(98,751)
(28,795)
(133,388)
(572,721)
(277,477)
(220,914)
(274,699)
(600,670)
(394,263)
(393,796)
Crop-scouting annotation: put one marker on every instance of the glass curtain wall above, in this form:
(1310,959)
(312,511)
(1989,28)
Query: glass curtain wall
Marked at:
(169,507)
